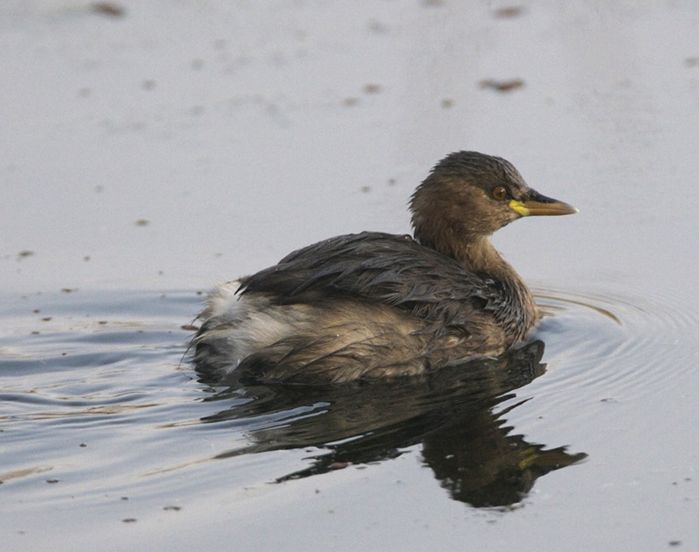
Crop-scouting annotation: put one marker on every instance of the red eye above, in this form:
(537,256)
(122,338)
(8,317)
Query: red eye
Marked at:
(499,193)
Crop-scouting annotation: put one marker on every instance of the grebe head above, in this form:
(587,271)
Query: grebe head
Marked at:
(468,195)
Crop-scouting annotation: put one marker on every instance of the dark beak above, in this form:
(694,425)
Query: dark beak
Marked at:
(536,204)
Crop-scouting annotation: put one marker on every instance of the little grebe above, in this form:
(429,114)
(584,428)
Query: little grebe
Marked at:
(375,305)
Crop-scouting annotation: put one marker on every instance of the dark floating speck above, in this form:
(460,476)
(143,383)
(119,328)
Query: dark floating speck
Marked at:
(350,102)
(377,27)
(129,520)
(124,498)
(52,481)
(675,542)
(142,222)
(365,189)
(502,85)
(86,258)
(372,88)
(46,319)
(83,445)
(172,508)
(102,322)
(24,254)
(108,8)
(68,290)
(148,84)
(508,12)
(447,103)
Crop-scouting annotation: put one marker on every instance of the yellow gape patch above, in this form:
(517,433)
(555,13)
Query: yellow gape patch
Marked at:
(518,207)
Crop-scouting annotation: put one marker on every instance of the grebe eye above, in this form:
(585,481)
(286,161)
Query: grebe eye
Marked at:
(499,193)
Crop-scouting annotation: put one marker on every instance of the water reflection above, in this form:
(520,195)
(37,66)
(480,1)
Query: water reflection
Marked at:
(453,414)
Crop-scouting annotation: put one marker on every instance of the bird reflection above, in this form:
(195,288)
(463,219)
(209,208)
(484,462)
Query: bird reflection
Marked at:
(452,413)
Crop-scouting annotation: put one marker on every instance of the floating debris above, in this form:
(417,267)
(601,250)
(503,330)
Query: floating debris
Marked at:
(502,85)
(350,102)
(108,8)
(142,222)
(508,12)
(447,103)
(172,508)
(372,88)
(24,254)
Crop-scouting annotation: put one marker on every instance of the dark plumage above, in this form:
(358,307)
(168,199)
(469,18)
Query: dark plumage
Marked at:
(378,305)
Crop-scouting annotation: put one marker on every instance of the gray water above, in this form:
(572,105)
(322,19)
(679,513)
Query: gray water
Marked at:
(151,154)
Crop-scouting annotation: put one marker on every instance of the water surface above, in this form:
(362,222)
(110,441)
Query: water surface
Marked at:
(150,154)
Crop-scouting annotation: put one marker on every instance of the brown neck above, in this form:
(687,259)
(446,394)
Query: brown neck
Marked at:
(476,255)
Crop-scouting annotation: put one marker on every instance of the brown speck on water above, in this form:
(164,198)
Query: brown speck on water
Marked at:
(68,290)
(142,222)
(502,85)
(350,102)
(110,9)
(377,27)
(25,253)
(365,189)
(372,88)
(46,319)
(447,103)
(52,481)
(102,322)
(189,327)
(508,12)
(129,520)
(172,508)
